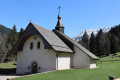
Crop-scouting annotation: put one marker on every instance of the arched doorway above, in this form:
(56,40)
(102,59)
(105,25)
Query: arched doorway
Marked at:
(34,67)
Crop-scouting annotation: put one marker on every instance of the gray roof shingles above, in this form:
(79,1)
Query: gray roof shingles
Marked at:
(78,45)
(56,43)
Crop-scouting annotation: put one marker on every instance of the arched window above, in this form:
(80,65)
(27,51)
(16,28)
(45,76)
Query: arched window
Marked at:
(31,45)
(38,45)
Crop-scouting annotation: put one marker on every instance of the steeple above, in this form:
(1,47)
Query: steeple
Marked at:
(59,25)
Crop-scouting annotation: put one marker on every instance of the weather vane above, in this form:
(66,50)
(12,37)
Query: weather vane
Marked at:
(59,9)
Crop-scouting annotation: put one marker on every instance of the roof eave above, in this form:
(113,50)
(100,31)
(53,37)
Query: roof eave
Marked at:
(96,58)
(64,52)
(77,46)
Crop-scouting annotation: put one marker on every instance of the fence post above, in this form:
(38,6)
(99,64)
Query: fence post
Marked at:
(111,78)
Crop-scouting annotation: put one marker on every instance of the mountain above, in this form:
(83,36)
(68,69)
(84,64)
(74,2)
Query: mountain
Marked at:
(4,30)
(95,31)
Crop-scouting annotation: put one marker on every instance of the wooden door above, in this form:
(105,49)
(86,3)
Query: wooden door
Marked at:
(34,68)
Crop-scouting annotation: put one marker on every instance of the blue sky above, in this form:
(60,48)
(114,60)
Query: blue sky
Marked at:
(77,15)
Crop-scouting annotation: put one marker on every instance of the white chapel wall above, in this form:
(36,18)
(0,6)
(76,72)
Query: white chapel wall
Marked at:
(45,59)
(80,59)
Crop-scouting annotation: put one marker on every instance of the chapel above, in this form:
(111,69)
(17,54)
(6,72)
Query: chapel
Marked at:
(40,50)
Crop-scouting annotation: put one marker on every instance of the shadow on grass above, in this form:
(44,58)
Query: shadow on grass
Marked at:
(7,71)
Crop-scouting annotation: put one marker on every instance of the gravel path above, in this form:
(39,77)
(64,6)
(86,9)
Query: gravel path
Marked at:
(5,77)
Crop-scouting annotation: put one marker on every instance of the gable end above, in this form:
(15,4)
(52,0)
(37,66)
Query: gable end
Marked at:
(30,31)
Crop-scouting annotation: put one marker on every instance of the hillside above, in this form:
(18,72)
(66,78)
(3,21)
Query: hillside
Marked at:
(4,30)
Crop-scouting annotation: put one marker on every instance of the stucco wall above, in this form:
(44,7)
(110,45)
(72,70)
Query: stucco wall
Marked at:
(45,58)
(80,59)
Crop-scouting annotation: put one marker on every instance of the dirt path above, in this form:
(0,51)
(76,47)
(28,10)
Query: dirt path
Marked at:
(5,77)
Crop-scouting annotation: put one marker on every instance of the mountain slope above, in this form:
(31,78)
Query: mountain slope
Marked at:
(4,30)
(95,31)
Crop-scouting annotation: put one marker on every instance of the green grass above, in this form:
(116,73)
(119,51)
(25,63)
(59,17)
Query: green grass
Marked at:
(117,54)
(109,58)
(7,65)
(106,69)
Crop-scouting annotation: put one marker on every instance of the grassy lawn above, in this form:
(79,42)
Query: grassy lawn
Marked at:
(106,69)
(109,58)
(117,54)
(7,65)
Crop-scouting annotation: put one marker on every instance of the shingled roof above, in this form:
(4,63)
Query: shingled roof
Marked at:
(49,37)
(60,34)
(52,39)
(56,43)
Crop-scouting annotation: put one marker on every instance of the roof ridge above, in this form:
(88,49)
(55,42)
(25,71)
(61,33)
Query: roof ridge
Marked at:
(39,26)
(51,38)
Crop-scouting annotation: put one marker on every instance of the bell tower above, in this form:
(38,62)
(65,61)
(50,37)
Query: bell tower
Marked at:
(59,25)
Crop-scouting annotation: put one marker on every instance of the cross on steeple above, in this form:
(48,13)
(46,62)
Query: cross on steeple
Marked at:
(59,9)
(30,20)
(59,25)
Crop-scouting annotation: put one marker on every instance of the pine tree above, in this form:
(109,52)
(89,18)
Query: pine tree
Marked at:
(93,43)
(100,43)
(10,42)
(85,40)
(13,37)
(14,29)
(106,45)
(21,32)
(116,31)
(2,49)
(114,44)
